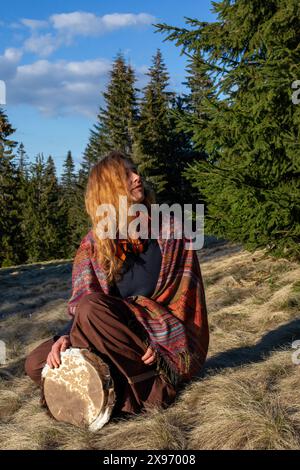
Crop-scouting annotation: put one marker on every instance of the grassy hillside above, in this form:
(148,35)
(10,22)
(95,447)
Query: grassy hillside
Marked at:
(247,397)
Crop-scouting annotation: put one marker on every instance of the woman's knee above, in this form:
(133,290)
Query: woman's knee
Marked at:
(102,311)
(36,360)
(89,304)
(31,368)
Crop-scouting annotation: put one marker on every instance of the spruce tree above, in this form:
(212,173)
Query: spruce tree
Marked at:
(22,160)
(251,180)
(114,129)
(184,152)
(68,178)
(9,216)
(41,214)
(188,117)
(33,216)
(196,103)
(153,149)
(70,209)
(50,209)
(21,197)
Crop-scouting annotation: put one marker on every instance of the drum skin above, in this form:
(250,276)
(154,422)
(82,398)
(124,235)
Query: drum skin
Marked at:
(80,391)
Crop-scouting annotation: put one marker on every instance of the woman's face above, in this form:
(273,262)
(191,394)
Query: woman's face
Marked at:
(134,183)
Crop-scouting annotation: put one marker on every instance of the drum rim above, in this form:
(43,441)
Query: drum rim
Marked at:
(108,396)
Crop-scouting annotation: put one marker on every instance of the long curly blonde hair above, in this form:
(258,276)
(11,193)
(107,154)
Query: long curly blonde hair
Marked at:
(106,182)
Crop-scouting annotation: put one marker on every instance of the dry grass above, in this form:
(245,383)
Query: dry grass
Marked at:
(247,397)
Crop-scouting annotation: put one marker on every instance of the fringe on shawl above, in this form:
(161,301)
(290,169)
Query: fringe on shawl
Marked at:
(163,365)
(166,367)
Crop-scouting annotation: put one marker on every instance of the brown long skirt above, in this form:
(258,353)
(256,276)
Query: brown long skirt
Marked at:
(104,324)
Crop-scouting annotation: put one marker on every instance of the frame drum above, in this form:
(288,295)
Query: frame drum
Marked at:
(80,391)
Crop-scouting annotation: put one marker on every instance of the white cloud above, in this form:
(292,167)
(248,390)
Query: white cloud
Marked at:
(12,54)
(59,88)
(8,62)
(75,23)
(34,24)
(15,25)
(63,69)
(43,44)
(89,24)
(119,20)
(63,87)
(64,27)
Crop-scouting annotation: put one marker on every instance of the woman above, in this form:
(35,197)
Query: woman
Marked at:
(139,303)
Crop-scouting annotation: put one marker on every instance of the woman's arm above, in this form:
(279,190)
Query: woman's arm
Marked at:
(84,278)
(84,281)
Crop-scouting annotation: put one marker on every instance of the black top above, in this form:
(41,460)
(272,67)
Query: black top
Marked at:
(140,272)
(140,276)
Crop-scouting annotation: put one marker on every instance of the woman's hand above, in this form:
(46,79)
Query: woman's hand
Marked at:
(149,357)
(63,343)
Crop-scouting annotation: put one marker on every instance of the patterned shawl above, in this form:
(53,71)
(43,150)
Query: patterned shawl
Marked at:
(123,246)
(175,316)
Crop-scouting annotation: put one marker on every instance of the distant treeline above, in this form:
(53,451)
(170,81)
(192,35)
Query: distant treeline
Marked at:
(231,142)
(42,216)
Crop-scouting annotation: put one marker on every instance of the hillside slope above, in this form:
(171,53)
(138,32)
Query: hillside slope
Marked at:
(247,397)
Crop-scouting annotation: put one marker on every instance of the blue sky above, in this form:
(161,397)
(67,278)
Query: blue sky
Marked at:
(55,57)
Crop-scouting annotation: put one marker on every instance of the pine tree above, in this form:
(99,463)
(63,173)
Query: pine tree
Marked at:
(197,103)
(21,196)
(153,149)
(71,209)
(251,181)
(22,160)
(50,208)
(41,219)
(68,178)
(114,129)
(188,117)
(183,153)
(9,217)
